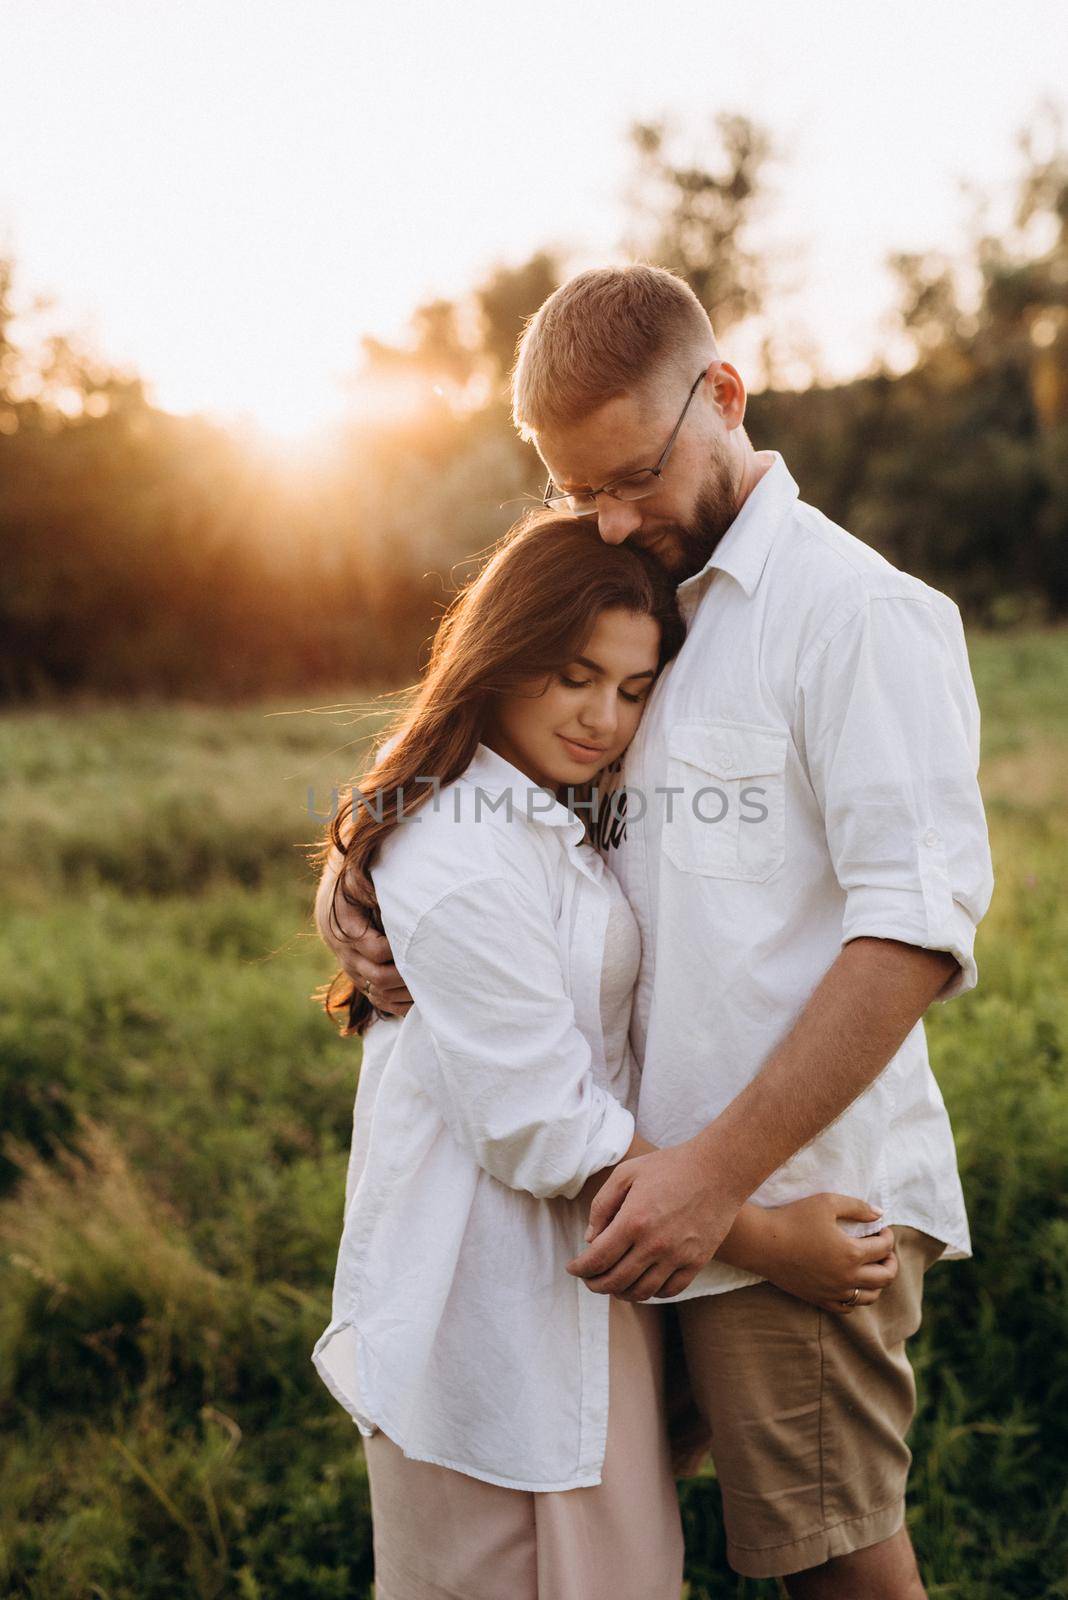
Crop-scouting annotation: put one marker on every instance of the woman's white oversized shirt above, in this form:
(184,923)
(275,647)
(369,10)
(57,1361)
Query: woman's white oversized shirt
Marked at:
(479,1116)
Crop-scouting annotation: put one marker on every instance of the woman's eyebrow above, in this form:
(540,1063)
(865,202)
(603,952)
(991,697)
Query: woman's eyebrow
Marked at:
(584,661)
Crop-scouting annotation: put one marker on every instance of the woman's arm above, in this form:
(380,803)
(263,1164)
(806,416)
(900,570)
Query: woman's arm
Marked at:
(505,1064)
(800,1248)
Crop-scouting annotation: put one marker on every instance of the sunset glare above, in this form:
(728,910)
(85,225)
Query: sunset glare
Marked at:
(226,199)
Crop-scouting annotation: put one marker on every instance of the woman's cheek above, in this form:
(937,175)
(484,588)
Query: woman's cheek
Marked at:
(558,706)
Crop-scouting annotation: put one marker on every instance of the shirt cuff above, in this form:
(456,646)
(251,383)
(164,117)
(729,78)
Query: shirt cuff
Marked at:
(905,915)
(609,1145)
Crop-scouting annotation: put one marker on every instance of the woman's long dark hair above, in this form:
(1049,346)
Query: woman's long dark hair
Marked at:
(522,618)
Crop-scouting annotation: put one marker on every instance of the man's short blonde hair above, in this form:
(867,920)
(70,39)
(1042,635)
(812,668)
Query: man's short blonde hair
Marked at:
(602,334)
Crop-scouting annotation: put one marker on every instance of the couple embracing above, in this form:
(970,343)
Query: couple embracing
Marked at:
(638,911)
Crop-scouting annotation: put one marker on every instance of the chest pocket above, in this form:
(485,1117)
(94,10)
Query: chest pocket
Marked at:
(729,821)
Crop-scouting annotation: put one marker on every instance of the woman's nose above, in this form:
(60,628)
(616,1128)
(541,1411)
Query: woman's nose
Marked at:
(600,713)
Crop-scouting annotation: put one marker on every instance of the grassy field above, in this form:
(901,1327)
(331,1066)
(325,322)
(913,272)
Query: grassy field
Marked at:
(178,1119)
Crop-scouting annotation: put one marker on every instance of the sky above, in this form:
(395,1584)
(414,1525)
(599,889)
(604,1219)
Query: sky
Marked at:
(226,195)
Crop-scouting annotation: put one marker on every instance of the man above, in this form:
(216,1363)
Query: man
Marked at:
(805,850)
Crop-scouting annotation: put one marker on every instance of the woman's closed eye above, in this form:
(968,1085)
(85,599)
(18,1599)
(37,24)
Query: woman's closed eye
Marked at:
(584,683)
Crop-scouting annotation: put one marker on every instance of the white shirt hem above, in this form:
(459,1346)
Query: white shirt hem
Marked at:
(369,1425)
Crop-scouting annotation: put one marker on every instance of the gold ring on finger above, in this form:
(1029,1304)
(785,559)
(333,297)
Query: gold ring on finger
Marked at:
(853,1298)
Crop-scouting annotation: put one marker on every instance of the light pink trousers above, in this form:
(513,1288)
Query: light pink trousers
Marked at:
(440,1535)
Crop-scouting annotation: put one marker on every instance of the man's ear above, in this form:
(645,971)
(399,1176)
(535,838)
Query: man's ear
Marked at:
(728,392)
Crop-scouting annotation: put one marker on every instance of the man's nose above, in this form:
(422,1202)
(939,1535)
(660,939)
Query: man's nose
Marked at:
(617,519)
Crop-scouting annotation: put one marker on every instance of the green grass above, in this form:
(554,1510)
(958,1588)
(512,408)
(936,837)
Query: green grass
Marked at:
(178,1119)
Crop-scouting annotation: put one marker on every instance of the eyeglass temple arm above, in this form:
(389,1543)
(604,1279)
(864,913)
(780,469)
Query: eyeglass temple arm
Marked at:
(658,470)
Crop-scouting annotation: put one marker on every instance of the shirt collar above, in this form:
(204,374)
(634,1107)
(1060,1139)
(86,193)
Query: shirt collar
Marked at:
(495,776)
(744,549)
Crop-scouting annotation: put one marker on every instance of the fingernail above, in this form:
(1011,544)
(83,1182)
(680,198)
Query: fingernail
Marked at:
(589,1233)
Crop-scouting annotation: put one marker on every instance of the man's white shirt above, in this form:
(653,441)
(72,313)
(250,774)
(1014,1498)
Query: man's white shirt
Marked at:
(805,774)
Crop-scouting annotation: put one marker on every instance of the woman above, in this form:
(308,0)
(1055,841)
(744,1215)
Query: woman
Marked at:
(514,1422)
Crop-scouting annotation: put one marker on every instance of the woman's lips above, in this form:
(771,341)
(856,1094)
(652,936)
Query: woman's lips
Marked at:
(581,752)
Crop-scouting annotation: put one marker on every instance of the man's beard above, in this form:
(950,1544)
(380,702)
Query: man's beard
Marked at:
(692,543)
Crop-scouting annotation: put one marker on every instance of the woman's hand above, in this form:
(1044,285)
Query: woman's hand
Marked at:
(800,1248)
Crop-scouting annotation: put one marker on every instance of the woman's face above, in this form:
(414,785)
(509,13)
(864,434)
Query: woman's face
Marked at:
(587,715)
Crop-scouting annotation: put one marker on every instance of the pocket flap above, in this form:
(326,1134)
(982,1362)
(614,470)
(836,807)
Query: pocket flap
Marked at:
(729,749)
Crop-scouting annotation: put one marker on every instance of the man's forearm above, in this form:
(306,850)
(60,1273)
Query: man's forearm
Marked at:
(856,1021)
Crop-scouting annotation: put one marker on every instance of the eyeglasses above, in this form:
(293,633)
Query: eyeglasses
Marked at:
(632,485)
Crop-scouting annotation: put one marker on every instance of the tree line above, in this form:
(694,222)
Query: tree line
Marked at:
(148,553)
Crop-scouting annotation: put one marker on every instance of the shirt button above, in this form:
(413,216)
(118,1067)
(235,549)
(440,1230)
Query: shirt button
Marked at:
(931,838)
(726,761)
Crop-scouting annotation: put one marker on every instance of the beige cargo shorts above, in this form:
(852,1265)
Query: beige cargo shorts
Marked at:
(805,1414)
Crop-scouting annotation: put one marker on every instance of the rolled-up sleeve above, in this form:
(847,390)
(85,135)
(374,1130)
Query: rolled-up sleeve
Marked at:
(510,1072)
(891,733)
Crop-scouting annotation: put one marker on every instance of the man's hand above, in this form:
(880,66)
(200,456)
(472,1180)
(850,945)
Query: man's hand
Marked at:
(665,1215)
(656,1222)
(362,952)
